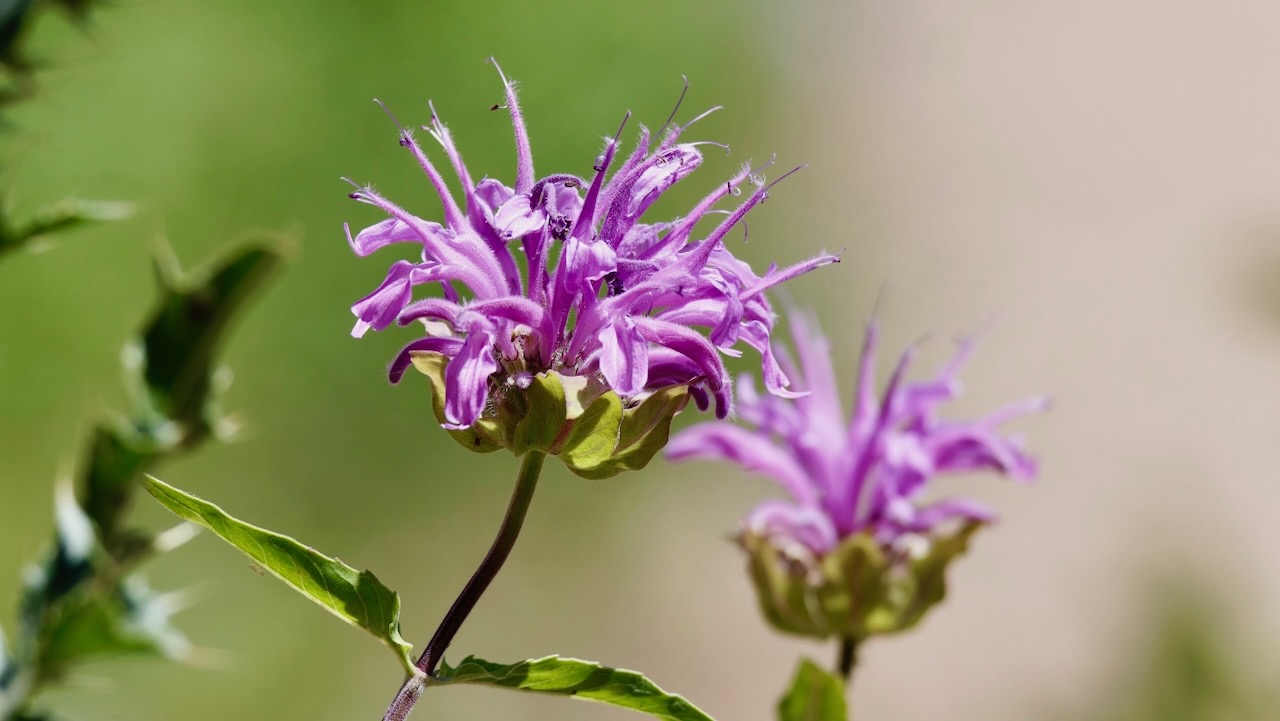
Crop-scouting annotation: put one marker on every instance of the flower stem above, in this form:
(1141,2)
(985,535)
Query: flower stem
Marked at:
(848,657)
(526,483)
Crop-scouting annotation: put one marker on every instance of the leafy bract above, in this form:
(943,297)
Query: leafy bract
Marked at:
(593,431)
(815,695)
(580,679)
(357,597)
(857,589)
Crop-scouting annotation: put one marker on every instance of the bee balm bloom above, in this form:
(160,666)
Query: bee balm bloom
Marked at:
(558,290)
(856,550)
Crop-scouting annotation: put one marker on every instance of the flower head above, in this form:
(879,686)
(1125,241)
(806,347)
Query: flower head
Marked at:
(565,275)
(856,486)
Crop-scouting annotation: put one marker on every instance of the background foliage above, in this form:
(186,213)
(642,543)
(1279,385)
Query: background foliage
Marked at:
(1087,171)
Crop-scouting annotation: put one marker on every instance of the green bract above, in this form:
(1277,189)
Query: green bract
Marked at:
(855,591)
(589,427)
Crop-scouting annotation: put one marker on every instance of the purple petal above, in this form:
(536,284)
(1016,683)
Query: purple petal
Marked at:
(380,308)
(467,378)
(380,235)
(930,517)
(697,349)
(517,217)
(433,308)
(493,194)
(524,157)
(781,521)
(624,357)
(720,441)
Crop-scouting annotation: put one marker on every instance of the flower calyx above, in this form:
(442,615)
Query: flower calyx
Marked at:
(591,429)
(856,590)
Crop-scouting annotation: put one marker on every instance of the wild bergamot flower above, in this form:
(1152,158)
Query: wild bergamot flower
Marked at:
(857,550)
(565,314)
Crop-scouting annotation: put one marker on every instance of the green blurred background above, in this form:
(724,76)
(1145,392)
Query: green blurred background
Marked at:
(1102,177)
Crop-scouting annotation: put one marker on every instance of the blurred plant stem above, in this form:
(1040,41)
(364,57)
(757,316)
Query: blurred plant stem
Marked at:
(508,532)
(848,658)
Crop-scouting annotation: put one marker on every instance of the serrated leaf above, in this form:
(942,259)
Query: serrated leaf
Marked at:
(814,695)
(579,679)
(356,597)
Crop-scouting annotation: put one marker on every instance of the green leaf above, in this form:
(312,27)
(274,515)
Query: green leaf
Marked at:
(356,597)
(594,436)
(815,695)
(579,679)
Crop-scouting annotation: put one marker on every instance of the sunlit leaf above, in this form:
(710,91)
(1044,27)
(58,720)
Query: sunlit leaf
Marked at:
(356,597)
(815,695)
(579,679)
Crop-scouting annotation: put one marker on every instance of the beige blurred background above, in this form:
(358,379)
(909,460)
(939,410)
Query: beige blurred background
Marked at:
(1102,177)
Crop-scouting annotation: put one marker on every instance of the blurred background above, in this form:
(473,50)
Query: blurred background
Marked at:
(1101,177)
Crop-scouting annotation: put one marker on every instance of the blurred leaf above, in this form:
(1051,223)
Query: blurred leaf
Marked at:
(68,567)
(116,457)
(180,339)
(132,621)
(356,597)
(172,369)
(579,679)
(66,215)
(8,669)
(815,695)
(1192,667)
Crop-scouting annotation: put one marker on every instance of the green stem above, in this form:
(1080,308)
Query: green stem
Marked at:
(848,657)
(412,689)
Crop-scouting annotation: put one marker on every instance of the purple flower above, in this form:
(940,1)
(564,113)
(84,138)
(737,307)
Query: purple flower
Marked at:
(559,274)
(867,475)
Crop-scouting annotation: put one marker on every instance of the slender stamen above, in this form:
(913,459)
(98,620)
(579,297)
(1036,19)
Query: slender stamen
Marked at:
(683,91)
(586,217)
(391,115)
